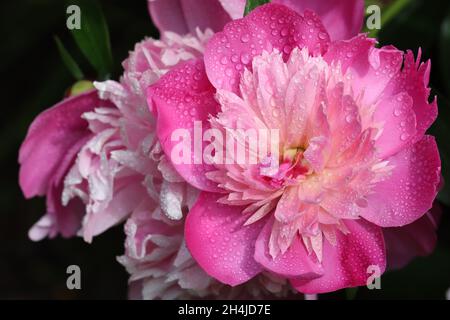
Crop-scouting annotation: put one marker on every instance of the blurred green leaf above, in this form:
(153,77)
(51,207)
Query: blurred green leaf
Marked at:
(389,13)
(69,62)
(417,25)
(252,4)
(93,37)
(444,52)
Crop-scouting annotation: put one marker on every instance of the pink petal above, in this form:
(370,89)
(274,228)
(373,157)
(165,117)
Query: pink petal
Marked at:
(66,219)
(126,199)
(346,264)
(184,16)
(182,96)
(398,124)
(416,239)
(408,193)
(204,14)
(413,79)
(315,154)
(219,241)
(235,8)
(295,262)
(168,15)
(52,134)
(266,28)
(372,68)
(384,73)
(342,19)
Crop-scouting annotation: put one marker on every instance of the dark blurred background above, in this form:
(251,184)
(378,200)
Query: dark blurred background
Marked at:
(33,78)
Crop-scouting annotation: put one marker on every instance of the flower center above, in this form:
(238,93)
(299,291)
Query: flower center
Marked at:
(289,170)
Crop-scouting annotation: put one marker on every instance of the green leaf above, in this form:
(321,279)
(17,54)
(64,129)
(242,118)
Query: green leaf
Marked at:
(93,37)
(69,62)
(389,13)
(252,4)
(444,52)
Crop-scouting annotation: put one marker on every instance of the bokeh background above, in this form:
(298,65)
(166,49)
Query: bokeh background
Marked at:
(33,78)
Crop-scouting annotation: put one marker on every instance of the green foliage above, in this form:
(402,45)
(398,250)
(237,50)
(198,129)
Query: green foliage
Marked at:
(93,37)
(252,4)
(68,61)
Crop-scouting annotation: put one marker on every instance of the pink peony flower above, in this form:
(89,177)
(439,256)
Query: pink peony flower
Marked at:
(342,19)
(353,155)
(161,267)
(50,148)
(122,166)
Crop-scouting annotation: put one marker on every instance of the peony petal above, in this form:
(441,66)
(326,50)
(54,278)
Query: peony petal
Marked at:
(235,8)
(342,19)
(416,239)
(204,14)
(185,16)
(384,73)
(413,79)
(371,68)
(219,241)
(398,124)
(295,262)
(125,200)
(266,28)
(52,134)
(184,96)
(168,15)
(346,264)
(408,193)
(66,219)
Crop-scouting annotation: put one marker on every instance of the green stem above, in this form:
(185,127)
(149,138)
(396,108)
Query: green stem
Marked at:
(389,13)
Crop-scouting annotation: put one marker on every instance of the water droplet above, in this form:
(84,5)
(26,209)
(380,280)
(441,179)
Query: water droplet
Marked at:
(245,38)
(322,35)
(397,112)
(245,58)
(229,72)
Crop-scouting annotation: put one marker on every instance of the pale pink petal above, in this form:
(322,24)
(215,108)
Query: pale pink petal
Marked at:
(43,228)
(346,263)
(125,200)
(235,8)
(182,97)
(343,19)
(266,28)
(219,241)
(409,191)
